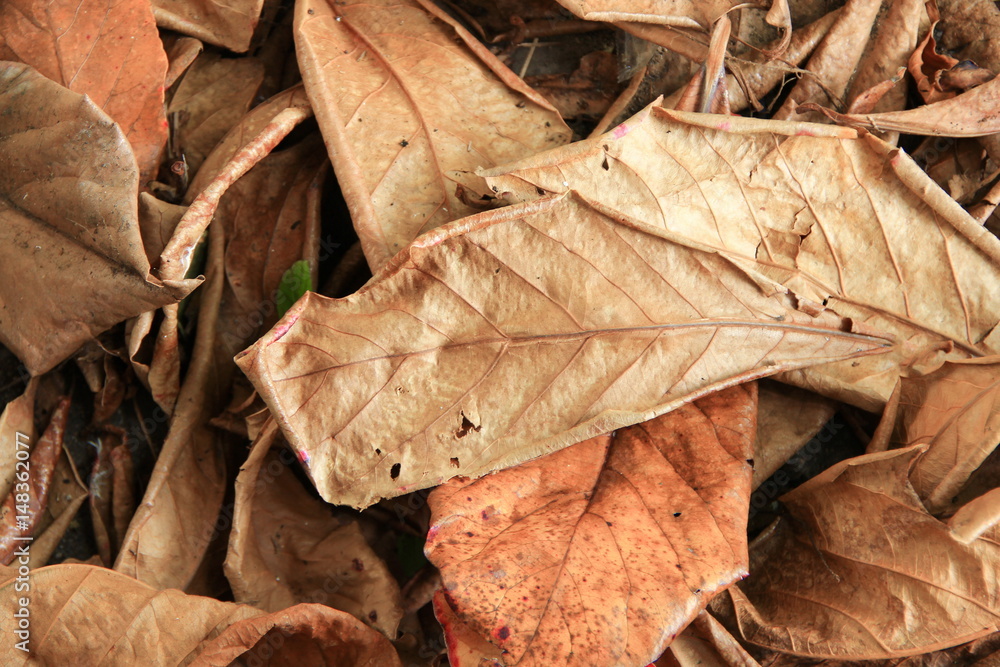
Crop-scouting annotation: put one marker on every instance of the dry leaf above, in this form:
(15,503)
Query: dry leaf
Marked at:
(230,23)
(856,224)
(834,61)
(410,105)
(972,114)
(176,521)
(22,509)
(515,333)
(466,648)
(862,572)
(81,614)
(600,554)
(76,44)
(787,419)
(210,100)
(955,411)
(287,547)
(181,52)
(895,39)
(68,210)
(67,494)
(17,424)
(680,13)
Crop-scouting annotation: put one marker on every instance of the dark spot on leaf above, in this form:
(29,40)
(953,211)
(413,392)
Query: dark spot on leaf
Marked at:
(394,472)
(609,523)
(378,451)
(469,534)
(750,461)
(503,633)
(373,616)
(404,143)
(540,191)
(358,565)
(311,12)
(605,165)
(521,104)
(677,514)
(454,461)
(296,224)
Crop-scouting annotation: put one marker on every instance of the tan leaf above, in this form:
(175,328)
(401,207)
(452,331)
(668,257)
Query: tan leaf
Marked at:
(212,97)
(81,614)
(110,52)
(600,554)
(857,224)
(787,419)
(862,572)
(230,24)
(68,209)
(181,52)
(955,411)
(287,547)
(895,39)
(515,333)
(410,105)
(680,13)
(971,114)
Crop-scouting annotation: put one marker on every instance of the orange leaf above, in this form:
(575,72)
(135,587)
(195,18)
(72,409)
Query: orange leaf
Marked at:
(601,553)
(108,51)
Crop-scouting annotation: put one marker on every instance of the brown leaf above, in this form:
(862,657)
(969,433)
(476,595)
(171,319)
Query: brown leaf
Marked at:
(79,44)
(409,112)
(264,214)
(81,614)
(230,24)
(971,114)
(175,523)
(287,547)
(955,411)
(68,210)
(22,509)
(212,97)
(512,334)
(863,572)
(855,223)
(67,494)
(17,424)
(603,552)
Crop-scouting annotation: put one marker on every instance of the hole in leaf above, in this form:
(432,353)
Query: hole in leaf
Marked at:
(605,165)
(676,514)
(466,426)
(454,461)
(378,451)
(394,472)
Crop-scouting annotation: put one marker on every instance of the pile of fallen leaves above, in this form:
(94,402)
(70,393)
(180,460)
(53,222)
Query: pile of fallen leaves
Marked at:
(426,333)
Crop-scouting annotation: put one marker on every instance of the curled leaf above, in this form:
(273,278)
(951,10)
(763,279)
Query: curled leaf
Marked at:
(68,186)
